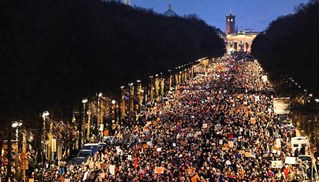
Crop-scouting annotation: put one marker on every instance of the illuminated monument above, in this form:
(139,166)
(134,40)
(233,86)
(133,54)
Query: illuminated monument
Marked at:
(237,40)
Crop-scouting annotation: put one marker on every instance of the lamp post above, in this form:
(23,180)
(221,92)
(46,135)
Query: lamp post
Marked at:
(84,101)
(112,123)
(139,94)
(122,104)
(45,114)
(99,118)
(131,97)
(113,109)
(151,87)
(16,125)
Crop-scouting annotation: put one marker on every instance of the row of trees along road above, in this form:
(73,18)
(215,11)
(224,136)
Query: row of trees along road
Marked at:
(289,46)
(55,52)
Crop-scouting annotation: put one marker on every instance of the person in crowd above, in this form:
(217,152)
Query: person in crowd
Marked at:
(218,126)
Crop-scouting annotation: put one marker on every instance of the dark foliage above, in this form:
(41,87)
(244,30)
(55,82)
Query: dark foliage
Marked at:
(55,52)
(289,46)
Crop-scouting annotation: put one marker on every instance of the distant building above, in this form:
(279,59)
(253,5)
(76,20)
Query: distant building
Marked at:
(240,41)
(221,34)
(170,12)
(230,23)
(237,40)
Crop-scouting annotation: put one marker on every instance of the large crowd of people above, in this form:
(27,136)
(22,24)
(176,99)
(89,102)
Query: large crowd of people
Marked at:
(218,126)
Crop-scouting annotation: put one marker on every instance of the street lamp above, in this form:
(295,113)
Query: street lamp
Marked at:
(100,94)
(99,119)
(45,114)
(84,101)
(113,107)
(16,125)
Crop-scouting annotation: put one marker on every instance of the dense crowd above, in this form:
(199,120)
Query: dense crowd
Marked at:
(218,126)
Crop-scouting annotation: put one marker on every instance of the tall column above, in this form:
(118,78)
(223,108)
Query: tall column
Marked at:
(50,136)
(170,81)
(176,79)
(151,88)
(89,126)
(122,105)
(184,75)
(157,80)
(131,96)
(139,94)
(145,95)
(162,86)
(98,117)
(24,140)
(9,156)
(187,74)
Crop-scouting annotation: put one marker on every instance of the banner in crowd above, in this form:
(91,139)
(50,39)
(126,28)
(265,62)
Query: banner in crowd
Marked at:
(281,105)
(276,164)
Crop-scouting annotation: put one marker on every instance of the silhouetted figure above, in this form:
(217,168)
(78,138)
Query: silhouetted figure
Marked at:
(296,152)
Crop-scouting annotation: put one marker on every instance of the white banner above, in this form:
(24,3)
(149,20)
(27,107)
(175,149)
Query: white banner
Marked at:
(281,105)
(290,160)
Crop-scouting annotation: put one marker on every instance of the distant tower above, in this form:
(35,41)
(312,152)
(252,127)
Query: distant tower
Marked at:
(230,23)
(127,2)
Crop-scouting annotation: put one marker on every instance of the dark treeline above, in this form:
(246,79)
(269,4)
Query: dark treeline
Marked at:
(290,46)
(55,52)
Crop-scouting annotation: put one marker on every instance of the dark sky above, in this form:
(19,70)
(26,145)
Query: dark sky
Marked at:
(252,14)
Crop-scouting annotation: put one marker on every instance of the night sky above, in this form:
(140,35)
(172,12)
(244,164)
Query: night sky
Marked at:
(250,14)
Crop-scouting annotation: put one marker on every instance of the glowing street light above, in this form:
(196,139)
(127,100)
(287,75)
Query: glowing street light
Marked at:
(16,125)
(100,94)
(85,100)
(45,114)
(317,100)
